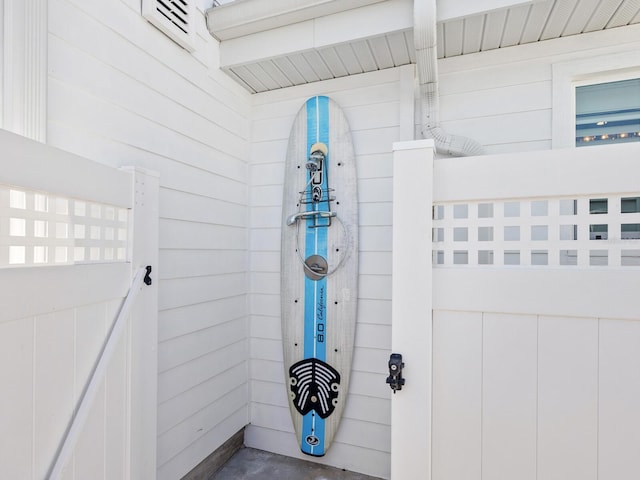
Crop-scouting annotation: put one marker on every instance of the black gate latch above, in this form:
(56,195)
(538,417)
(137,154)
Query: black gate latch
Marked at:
(147,278)
(395,379)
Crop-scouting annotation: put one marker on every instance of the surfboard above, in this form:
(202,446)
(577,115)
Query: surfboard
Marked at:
(319,271)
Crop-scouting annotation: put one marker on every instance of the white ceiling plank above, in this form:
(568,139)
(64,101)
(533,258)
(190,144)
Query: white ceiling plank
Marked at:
(602,15)
(349,58)
(625,14)
(514,26)
(289,70)
(381,52)
(250,79)
(455,9)
(558,19)
(302,66)
(267,80)
(473,33)
(453,37)
(493,30)
(239,79)
(581,15)
(316,59)
(274,72)
(365,56)
(398,47)
(331,64)
(536,22)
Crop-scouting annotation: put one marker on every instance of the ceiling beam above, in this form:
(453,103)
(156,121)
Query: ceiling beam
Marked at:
(373,20)
(246,17)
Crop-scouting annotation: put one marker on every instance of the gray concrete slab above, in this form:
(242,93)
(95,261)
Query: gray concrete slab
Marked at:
(251,464)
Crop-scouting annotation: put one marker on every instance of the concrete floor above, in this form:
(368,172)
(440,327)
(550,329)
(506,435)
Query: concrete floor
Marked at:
(251,464)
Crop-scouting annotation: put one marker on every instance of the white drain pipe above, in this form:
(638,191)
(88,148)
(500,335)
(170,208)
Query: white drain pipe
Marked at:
(424,33)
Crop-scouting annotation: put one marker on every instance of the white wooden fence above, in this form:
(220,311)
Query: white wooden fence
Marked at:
(72,235)
(522,319)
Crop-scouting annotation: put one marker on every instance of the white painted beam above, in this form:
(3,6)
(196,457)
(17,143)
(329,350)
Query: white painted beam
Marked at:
(236,19)
(342,27)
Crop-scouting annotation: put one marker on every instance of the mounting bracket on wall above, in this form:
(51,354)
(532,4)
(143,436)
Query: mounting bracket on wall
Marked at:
(396,365)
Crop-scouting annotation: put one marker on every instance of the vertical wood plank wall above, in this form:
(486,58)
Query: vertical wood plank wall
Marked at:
(379,108)
(121,93)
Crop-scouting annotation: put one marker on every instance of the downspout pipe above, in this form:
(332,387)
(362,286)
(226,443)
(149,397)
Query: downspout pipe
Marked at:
(424,33)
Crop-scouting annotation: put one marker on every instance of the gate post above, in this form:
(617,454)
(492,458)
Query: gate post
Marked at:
(412,308)
(144,327)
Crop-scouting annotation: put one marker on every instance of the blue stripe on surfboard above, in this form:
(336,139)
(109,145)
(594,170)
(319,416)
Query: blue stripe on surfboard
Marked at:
(315,292)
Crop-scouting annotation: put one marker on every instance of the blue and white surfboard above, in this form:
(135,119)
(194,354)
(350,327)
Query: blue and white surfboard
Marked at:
(319,270)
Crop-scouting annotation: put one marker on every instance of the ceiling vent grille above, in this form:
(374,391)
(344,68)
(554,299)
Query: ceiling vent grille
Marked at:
(174,18)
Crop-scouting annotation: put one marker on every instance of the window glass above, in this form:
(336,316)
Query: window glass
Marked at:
(608,113)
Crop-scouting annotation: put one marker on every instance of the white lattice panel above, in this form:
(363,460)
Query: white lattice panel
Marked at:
(555,232)
(37,229)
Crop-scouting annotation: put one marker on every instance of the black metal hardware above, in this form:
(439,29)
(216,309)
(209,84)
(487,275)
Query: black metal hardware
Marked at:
(395,379)
(147,279)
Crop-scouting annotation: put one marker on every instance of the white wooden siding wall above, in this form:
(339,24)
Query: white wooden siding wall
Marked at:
(379,108)
(535,369)
(503,98)
(122,93)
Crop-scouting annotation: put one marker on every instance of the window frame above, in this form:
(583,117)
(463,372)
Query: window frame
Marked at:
(566,76)
(615,77)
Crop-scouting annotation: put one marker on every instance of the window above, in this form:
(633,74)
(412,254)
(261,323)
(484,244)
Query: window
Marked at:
(174,18)
(570,75)
(608,113)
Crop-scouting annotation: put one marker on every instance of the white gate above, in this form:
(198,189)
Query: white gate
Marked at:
(522,320)
(72,235)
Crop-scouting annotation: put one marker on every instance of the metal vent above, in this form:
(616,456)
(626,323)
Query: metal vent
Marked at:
(173,17)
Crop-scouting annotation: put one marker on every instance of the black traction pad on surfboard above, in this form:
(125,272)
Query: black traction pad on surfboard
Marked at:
(315,386)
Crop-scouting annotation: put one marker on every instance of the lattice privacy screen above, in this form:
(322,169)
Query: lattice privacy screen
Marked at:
(603,231)
(41,229)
